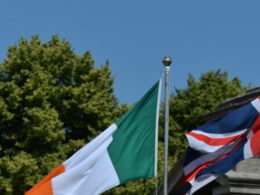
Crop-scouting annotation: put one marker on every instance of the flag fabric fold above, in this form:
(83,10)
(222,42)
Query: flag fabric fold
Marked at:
(125,151)
(217,146)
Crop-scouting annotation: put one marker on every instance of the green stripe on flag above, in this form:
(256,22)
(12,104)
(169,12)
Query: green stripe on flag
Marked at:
(132,150)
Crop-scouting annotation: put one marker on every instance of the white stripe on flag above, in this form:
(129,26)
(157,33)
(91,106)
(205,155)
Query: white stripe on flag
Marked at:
(247,147)
(88,169)
(256,104)
(200,145)
(88,149)
(201,181)
(222,135)
(208,157)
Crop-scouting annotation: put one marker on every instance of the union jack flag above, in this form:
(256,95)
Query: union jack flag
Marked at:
(217,146)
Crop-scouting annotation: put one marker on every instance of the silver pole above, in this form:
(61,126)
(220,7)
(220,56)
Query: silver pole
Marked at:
(166,61)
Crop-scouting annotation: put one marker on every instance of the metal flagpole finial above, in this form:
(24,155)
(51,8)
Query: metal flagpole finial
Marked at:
(167,60)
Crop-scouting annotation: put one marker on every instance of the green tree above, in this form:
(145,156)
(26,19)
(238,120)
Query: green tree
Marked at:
(52,101)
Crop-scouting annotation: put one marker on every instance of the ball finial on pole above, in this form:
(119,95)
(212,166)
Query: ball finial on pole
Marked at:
(167,60)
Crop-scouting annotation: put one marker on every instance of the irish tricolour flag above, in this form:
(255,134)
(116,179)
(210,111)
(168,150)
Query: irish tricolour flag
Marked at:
(127,150)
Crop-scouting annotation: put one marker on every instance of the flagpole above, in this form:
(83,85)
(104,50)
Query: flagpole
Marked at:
(166,61)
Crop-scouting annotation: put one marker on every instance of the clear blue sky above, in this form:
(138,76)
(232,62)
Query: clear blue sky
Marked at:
(200,35)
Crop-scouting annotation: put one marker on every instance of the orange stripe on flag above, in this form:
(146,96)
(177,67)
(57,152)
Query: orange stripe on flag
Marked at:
(44,187)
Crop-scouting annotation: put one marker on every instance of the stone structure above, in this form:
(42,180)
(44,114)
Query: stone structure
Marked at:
(243,179)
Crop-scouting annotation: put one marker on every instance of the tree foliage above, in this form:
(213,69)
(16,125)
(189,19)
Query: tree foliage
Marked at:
(52,101)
